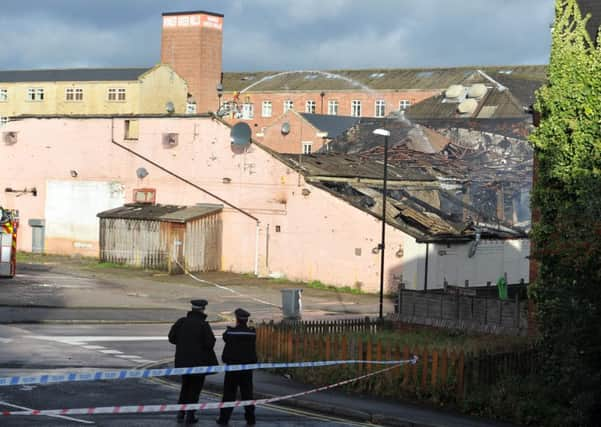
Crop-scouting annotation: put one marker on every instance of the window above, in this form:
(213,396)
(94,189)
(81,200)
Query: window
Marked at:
(35,94)
(288,105)
(132,129)
(116,94)
(74,94)
(310,107)
(247,111)
(191,107)
(307,147)
(380,108)
(3,95)
(404,104)
(266,109)
(3,120)
(333,108)
(356,108)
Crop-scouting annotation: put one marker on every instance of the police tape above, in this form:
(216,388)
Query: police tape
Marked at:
(149,373)
(190,406)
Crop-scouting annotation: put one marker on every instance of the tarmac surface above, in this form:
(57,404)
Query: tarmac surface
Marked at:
(72,292)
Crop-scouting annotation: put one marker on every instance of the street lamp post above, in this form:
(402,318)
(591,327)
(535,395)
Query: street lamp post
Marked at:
(385,133)
(219,92)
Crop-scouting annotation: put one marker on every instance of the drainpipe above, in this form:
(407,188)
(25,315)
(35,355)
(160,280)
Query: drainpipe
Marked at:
(257,250)
(426,273)
(181,178)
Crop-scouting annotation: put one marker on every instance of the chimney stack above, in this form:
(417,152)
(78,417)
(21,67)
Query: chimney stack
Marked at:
(191,44)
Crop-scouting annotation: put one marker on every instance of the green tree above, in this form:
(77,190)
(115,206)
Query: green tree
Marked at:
(567,197)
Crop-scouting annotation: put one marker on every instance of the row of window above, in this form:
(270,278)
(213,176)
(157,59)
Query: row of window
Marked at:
(310,107)
(71,94)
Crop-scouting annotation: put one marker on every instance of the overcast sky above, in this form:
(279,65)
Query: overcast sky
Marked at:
(282,34)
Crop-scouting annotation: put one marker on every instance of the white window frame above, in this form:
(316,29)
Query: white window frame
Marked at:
(288,105)
(35,94)
(3,95)
(266,109)
(404,104)
(117,94)
(356,108)
(333,107)
(380,108)
(74,94)
(248,111)
(310,106)
(307,147)
(3,121)
(190,107)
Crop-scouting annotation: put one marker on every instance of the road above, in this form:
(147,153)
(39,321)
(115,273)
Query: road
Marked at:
(30,349)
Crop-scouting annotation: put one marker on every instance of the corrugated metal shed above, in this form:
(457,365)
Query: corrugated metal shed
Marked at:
(162,237)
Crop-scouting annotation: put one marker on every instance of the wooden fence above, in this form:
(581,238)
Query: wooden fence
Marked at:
(470,313)
(440,374)
(365,324)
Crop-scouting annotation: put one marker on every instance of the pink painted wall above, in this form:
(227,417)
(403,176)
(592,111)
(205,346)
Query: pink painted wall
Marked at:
(321,237)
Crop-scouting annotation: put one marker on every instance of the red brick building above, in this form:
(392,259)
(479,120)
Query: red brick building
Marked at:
(192,44)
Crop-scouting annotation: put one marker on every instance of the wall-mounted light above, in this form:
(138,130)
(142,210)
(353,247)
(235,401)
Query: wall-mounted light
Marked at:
(226,180)
(306,192)
(73,173)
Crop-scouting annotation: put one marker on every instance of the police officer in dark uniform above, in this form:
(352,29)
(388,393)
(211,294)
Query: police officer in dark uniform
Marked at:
(194,346)
(240,348)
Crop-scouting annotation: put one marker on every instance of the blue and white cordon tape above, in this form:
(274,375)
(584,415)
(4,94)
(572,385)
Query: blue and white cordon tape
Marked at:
(148,373)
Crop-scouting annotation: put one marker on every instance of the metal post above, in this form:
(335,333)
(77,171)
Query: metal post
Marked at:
(382,246)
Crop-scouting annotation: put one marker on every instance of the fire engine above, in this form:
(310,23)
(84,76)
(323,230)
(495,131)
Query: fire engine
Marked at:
(9,223)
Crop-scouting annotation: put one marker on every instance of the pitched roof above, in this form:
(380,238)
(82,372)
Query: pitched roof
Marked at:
(162,213)
(337,165)
(333,125)
(496,103)
(360,138)
(72,75)
(370,79)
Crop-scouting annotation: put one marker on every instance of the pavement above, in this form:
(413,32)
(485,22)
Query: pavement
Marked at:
(63,293)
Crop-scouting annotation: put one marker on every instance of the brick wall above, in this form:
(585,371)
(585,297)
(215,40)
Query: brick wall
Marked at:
(368,100)
(300,132)
(192,44)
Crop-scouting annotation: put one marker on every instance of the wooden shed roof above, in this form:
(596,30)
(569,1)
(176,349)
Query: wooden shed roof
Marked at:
(163,213)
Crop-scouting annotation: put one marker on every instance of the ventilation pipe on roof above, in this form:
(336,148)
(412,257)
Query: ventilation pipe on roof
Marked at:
(474,245)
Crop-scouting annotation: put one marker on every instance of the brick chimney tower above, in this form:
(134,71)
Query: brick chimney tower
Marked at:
(192,44)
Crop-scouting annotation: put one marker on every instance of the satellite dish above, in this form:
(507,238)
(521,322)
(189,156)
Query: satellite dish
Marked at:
(240,135)
(285,128)
(169,107)
(141,173)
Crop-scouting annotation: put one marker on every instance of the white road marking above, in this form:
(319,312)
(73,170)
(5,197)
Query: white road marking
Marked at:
(128,356)
(93,347)
(87,339)
(111,351)
(62,417)
(5,340)
(144,361)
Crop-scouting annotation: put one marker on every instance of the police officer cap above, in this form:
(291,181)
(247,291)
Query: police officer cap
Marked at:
(199,304)
(241,314)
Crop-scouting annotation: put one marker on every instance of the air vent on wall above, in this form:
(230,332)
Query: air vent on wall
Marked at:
(10,138)
(170,140)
